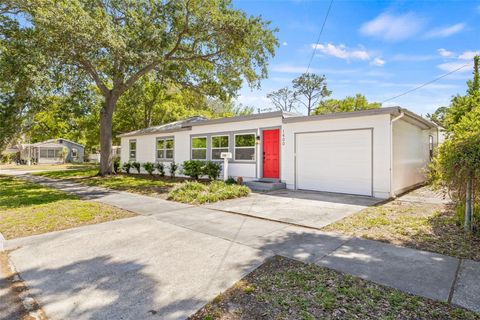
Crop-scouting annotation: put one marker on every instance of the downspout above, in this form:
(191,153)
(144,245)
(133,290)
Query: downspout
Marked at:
(392,194)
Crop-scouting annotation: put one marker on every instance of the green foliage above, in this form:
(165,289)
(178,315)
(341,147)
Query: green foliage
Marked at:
(231,180)
(457,160)
(460,216)
(348,104)
(193,168)
(206,45)
(116,165)
(126,167)
(149,167)
(309,89)
(212,170)
(198,193)
(160,168)
(438,116)
(172,168)
(137,166)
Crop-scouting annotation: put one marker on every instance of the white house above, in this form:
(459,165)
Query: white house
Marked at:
(380,153)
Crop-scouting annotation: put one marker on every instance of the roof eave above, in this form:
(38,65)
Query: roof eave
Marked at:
(135,133)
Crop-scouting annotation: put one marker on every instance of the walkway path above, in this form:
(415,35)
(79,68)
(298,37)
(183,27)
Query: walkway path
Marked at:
(173,258)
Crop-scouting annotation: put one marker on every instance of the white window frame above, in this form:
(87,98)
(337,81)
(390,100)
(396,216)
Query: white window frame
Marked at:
(74,152)
(165,149)
(254,146)
(212,148)
(192,148)
(130,149)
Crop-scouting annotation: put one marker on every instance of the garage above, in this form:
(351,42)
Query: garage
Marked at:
(335,161)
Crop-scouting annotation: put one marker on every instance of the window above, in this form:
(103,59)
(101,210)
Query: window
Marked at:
(165,148)
(199,148)
(133,149)
(219,145)
(74,152)
(245,147)
(50,153)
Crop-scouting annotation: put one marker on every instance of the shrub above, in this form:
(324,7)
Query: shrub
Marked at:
(173,169)
(160,168)
(460,216)
(198,193)
(116,165)
(193,168)
(212,170)
(231,180)
(126,167)
(149,167)
(136,165)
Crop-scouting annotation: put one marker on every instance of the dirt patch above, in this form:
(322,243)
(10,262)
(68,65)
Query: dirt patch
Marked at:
(287,289)
(15,302)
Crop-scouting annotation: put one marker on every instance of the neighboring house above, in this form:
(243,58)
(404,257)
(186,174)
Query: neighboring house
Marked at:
(53,151)
(95,156)
(379,153)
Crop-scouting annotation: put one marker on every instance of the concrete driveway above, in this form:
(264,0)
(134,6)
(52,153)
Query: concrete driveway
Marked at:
(304,208)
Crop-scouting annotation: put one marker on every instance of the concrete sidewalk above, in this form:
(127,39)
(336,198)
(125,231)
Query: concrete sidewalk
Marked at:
(174,258)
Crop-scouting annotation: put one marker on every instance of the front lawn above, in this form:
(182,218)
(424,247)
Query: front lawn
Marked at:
(420,225)
(178,189)
(287,289)
(46,166)
(27,209)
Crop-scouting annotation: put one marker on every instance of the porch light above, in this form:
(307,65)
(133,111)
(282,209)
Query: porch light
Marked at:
(257,139)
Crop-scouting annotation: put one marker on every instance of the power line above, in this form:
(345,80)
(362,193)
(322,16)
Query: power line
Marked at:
(319,35)
(426,83)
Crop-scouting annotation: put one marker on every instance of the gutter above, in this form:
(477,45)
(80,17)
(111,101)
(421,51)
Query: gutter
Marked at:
(402,114)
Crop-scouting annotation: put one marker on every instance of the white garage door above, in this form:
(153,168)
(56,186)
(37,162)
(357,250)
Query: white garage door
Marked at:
(336,161)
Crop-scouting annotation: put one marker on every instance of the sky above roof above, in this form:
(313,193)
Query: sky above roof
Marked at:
(377,48)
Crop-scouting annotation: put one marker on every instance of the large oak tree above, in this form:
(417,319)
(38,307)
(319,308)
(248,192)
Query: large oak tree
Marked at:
(203,44)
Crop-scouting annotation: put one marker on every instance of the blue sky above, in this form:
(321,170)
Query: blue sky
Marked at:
(377,48)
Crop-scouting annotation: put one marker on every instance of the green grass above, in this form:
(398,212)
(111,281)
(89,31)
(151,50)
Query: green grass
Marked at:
(286,289)
(199,193)
(47,166)
(424,226)
(27,209)
(172,189)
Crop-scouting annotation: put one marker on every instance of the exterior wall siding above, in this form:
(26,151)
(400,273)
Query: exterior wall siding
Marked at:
(410,155)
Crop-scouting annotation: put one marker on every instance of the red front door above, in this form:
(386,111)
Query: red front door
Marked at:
(271,154)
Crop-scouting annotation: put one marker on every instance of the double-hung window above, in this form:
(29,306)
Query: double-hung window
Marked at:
(199,148)
(245,147)
(165,148)
(219,145)
(133,149)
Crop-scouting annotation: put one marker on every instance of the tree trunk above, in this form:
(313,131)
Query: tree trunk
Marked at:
(106,115)
(468,205)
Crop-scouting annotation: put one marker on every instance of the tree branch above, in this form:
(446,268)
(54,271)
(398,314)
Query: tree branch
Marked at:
(87,66)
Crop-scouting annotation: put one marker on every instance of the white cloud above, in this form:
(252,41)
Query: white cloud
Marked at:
(452,66)
(393,28)
(468,55)
(284,43)
(444,32)
(445,53)
(342,52)
(377,62)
